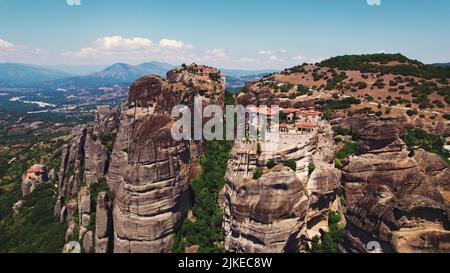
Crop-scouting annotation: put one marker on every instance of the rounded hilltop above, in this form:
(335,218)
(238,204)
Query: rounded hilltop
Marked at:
(384,83)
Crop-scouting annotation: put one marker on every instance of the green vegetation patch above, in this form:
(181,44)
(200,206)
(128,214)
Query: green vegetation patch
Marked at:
(420,139)
(206,231)
(329,240)
(34,229)
(376,63)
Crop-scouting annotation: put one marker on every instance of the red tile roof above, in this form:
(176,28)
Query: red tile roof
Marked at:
(289,110)
(306,125)
(311,113)
(34,170)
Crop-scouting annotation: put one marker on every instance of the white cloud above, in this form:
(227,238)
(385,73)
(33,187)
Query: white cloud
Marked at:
(374,2)
(299,58)
(73,2)
(84,53)
(118,43)
(135,50)
(217,53)
(318,59)
(247,60)
(271,52)
(265,52)
(171,43)
(10,52)
(121,49)
(5,45)
(275,58)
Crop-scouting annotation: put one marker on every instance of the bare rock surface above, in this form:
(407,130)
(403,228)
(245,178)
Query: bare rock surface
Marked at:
(277,212)
(103,224)
(96,157)
(149,170)
(395,198)
(266,215)
(34,176)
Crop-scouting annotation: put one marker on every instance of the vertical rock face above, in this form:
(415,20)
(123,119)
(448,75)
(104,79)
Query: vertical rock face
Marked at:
(266,215)
(72,160)
(103,224)
(96,157)
(152,198)
(283,209)
(84,210)
(84,160)
(88,242)
(149,170)
(393,197)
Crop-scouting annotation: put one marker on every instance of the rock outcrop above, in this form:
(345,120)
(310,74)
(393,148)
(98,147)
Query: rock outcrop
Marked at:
(96,159)
(88,242)
(103,224)
(149,170)
(397,198)
(34,176)
(265,215)
(71,162)
(85,159)
(152,198)
(283,209)
(128,157)
(84,211)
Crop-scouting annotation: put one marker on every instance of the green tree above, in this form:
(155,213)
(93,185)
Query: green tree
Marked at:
(257,174)
(271,163)
(311,168)
(291,164)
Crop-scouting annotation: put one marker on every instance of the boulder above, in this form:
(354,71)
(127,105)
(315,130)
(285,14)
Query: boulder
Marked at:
(34,176)
(17,206)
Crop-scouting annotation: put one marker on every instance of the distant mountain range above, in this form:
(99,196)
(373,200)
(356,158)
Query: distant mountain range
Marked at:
(77,70)
(116,74)
(119,73)
(441,64)
(11,73)
(25,75)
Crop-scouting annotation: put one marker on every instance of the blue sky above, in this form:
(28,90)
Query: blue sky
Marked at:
(233,33)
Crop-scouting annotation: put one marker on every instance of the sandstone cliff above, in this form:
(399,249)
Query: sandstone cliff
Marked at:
(390,195)
(394,197)
(124,181)
(85,160)
(283,209)
(150,171)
